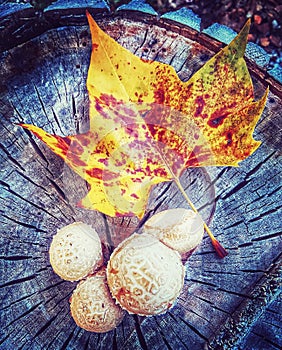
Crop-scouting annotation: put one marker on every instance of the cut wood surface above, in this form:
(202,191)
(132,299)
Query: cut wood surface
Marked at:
(231,303)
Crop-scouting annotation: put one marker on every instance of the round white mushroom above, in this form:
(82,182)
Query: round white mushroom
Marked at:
(75,251)
(180,229)
(145,276)
(92,306)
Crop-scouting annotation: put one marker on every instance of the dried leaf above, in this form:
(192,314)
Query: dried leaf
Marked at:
(147,126)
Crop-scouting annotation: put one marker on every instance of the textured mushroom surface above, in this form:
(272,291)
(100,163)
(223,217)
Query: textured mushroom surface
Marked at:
(145,276)
(75,251)
(180,229)
(92,306)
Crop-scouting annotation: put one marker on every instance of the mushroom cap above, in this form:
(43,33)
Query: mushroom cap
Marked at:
(75,251)
(180,229)
(92,306)
(145,276)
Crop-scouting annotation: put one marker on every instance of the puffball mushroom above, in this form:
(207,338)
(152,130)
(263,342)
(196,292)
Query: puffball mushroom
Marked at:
(180,229)
(145,276)
(92,306)
(75,251)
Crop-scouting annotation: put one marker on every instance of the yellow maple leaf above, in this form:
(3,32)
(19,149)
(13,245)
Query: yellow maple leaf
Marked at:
(147,126)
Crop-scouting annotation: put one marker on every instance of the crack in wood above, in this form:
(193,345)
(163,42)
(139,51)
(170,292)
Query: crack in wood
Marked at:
(28,296)
(23,224)
(21,119)
(199,315)
(19,280)
(57,120)
(17,257)
(58,189)
(248,176)
(277,346)
(66,342)
(237,223)
(246,244)
(4,338)
(29,179)
(42,104)
(58,302)
(183,64)
(220,272)
(35,146)
(195,330)
(46,325)
(74,115)
(212,303)
(139,333)
(143,42)
(162,48)
(265,237)
(169,326)
(10,157)
(164,338)
(20,240)
(31,309)
(7,187)
(166,188)
(233,332)
(265,213)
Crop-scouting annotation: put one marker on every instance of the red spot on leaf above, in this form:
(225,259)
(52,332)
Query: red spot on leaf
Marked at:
(200,104)
(160,172)
(217,118)
(138,180)
(107,100)
(109,175)
(159,96)
(198,156)
(76,147)
(75,160)
(98,107)
(95,173)
(104,161)
(62,142)
(228,135)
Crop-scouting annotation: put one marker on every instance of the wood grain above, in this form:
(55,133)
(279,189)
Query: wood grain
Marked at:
(43,81)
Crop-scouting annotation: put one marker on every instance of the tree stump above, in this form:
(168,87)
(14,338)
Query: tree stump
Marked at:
(225,304)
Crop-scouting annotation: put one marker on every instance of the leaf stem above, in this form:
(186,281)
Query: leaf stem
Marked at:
(220,250)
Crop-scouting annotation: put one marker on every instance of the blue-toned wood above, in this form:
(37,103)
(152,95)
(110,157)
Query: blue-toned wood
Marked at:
(184,16)
(7,9)
(276,73)
(138,5)
(225,304)
(69,4)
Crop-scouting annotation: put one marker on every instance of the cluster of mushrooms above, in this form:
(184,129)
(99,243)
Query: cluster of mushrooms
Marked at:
(143,276)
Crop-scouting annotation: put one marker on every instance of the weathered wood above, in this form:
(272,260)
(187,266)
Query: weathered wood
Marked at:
(43,81)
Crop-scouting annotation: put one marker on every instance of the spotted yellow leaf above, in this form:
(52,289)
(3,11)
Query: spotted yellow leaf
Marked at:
(147,126)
